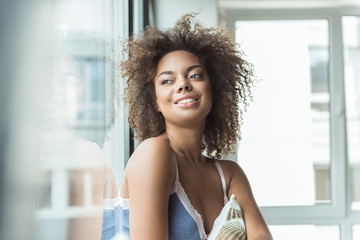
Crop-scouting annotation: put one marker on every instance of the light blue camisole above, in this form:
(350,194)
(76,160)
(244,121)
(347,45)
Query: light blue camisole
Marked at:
(184,221)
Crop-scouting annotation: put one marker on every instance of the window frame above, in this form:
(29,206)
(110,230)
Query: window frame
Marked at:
(121,143)
(338,212)
(117,146)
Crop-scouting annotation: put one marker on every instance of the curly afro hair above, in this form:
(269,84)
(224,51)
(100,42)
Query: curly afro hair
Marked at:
(230,75)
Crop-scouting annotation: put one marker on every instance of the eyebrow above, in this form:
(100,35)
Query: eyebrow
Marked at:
(187,70)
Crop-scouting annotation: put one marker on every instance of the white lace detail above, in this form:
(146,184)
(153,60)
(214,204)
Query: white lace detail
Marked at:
(124,203)
(184,199)
(111,203)
(191,210)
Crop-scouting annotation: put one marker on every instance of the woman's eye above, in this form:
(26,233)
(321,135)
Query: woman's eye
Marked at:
(196,75)
(165,81)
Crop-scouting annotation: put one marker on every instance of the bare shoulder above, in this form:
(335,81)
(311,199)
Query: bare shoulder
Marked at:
(232,169)
(152,161)
(152,151)
(237,182)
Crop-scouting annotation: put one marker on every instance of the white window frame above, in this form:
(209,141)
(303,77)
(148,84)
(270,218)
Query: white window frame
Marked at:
(117,145)
(338,212)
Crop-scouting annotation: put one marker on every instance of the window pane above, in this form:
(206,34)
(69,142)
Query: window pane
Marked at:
(73,167)
(286,129)
(356,232)
(351,32)
(309,232)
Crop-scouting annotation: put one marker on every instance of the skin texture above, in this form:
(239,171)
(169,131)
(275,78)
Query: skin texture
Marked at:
(176,71)
(151,170)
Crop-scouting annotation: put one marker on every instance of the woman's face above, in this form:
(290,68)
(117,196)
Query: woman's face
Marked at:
(183,89)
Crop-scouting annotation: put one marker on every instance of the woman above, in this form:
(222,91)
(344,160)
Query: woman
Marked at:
(184,87)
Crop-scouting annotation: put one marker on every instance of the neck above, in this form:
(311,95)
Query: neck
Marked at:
(186,142)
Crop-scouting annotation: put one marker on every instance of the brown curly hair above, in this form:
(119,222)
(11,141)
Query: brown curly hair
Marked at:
(230,75)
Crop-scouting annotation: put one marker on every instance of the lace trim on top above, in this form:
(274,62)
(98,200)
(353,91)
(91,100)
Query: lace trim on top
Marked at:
(125,203)
(184,199)
(111,203)
(191,210)
(180,191)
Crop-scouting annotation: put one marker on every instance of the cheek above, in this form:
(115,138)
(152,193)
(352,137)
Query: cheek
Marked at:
(162,98)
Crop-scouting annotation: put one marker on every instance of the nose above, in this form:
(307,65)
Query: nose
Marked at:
(184,85)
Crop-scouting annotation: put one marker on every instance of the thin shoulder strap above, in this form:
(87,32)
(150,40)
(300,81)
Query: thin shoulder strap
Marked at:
(175,185)
(177,171)
(217,164)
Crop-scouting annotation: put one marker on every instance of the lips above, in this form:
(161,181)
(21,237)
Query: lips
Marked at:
(186,99)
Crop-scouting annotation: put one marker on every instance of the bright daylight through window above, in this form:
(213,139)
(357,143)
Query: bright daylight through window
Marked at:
(287,128)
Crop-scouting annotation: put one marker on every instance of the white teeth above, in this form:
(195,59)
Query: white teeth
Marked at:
(187,100)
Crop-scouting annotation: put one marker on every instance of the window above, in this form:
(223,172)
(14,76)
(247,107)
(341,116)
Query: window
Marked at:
(301,133)
(356,232)
(351,26)
(290,113)
(298,232)
(81,135)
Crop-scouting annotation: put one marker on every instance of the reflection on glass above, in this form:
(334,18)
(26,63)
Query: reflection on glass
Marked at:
(74,174)
(286,129)
(351,33)
(308,232)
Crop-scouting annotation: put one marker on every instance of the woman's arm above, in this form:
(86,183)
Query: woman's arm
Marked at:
(150,174)
(256,228)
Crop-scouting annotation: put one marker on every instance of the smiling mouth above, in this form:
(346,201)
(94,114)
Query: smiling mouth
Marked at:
(186,100)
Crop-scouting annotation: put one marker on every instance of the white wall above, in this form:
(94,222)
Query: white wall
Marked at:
(168,11)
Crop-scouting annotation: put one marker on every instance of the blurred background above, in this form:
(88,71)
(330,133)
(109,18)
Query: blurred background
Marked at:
(63,124)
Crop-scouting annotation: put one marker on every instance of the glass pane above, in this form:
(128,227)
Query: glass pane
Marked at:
(351,32)
(356,232)
(73,168)
(286,129)
(309,232)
